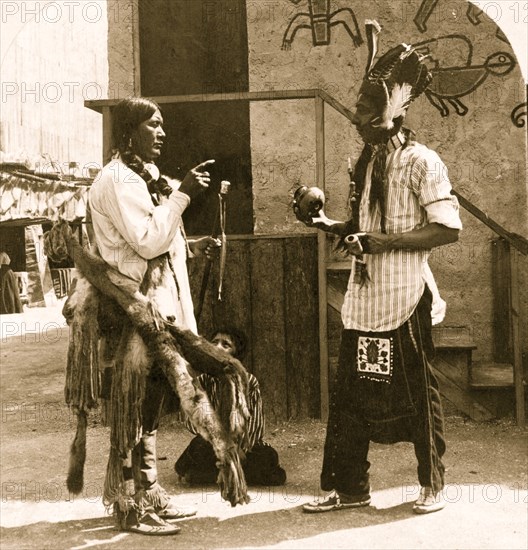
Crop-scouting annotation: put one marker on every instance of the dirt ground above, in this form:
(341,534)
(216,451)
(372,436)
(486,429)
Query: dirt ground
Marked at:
(486,474)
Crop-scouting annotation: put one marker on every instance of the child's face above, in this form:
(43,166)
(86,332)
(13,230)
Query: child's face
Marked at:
(225,343)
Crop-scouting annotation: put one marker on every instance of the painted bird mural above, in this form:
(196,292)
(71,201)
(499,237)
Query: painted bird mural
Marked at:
(454,74)
(319,19)
(473,13)
(427,7)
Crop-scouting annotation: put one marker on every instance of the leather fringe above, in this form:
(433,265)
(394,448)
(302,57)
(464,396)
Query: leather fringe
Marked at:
(231,479)
(117,491)
(82,383)
(155,497)
(165,343)
(126,398)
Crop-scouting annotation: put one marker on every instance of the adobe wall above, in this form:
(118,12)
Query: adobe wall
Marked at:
(483,149)
(123,66)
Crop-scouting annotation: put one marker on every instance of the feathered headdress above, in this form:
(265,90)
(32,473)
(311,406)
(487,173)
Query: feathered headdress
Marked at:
(395,80)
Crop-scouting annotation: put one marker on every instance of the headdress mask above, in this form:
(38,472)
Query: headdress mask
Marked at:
(392,83)
(396,79)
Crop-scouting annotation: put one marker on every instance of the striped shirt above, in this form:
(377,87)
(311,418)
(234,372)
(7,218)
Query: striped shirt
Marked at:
(255,428)
(419,193)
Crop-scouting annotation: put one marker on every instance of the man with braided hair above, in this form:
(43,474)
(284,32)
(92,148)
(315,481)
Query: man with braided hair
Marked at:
(138,229)
(402,207)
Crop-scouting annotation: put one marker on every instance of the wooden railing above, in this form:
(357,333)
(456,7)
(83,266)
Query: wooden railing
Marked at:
(513,245)
(321,98)
(105,107)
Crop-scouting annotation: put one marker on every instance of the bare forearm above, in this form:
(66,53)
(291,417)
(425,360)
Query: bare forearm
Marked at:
(430,236)
(335,227)
(425,238)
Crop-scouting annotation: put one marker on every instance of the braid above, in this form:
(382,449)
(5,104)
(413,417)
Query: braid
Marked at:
(128,114)
(410,136)
(377,187)
(135,163)
(360,171)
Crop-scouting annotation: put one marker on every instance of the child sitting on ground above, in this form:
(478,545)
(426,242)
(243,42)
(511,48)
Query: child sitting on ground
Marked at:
(197,464)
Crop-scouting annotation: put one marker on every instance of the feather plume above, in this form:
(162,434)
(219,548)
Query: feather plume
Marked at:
(398,102)
(374,25)
(372,28)
(423,80)
(385,65)
(397,78)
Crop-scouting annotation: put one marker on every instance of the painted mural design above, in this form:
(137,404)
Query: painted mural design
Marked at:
(457,78)
(319,20)
(427,7)
(519,115)
(473,14)
(499,34)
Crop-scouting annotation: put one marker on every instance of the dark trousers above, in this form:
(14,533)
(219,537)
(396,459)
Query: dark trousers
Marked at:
(197,464)
(411,410)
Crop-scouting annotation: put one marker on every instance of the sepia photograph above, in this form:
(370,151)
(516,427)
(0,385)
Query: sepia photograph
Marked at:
(263,274)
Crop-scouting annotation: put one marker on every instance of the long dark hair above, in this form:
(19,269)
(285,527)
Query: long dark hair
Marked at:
(127,115)
(377,189)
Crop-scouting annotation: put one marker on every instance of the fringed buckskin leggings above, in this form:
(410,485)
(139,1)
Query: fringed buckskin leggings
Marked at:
(143,458)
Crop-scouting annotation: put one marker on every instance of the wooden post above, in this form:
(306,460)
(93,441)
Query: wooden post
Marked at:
(321,260)
(107,134)
(501,281)
(518,373)
(136,47)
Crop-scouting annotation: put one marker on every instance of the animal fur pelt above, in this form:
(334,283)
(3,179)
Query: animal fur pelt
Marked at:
(81,389)
(169,346)
(82,373)
(75,479)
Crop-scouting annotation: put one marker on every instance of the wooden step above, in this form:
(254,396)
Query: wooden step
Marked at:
(453,338)
(335,296)
(489,376)
(455,392)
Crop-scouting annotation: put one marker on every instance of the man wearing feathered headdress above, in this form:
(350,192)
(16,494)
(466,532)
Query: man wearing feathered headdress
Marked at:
(401,207)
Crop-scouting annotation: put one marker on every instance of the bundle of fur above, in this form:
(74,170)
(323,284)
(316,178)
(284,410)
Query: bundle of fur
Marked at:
(170,347)
(82,385)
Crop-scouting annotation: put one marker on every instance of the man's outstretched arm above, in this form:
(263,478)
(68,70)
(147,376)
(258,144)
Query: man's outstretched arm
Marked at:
(425,238)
